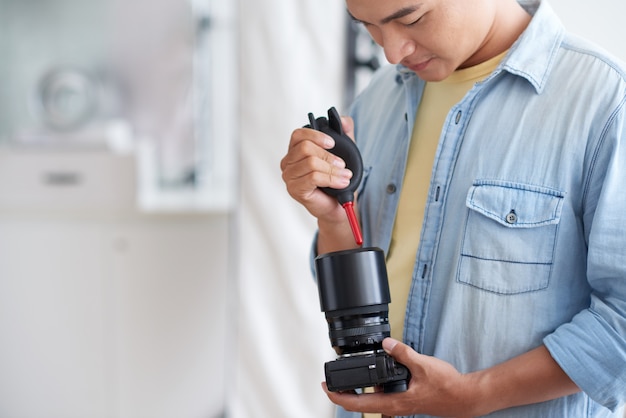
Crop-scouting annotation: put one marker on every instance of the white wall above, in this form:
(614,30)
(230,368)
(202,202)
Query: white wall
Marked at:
(601,21)
(112,315)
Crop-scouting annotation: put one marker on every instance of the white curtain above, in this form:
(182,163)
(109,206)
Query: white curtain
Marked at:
(291,63)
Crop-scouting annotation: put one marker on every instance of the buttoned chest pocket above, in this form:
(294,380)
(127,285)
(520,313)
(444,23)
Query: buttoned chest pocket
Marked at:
(510,235)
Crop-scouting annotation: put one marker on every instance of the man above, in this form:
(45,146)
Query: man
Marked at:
(502,137)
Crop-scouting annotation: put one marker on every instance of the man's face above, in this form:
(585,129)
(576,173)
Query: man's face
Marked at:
(431,37)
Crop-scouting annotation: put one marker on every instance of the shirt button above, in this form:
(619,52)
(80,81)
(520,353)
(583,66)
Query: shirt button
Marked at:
(511,218)
(391,188)
(458,117)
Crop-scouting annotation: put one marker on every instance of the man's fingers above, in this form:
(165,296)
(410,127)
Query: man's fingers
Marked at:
(308,166)
(317,173)
(351,401)
(348,126)
(311,135)
(401,352)
(306,149)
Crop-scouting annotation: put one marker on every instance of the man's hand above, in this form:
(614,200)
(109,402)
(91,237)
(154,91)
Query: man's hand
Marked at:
(436,388)
(307,166)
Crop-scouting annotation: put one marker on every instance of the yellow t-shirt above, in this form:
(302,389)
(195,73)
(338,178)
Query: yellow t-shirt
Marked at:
(437,100)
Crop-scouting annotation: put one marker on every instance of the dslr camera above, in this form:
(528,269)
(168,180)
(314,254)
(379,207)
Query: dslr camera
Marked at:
(354,295)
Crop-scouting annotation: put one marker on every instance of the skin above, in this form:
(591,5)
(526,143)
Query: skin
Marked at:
(437,388)
(433,38)
(436,37)
(308,166)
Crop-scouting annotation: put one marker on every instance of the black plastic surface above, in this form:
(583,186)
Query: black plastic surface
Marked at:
(345,148)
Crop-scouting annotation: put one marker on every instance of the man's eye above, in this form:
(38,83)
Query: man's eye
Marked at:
(414,22)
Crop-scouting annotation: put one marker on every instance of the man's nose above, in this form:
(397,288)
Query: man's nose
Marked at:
(397,46)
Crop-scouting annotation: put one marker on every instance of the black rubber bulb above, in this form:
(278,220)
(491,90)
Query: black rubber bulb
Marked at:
(347,150)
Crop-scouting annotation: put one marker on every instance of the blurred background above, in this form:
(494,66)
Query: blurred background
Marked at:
(152,264)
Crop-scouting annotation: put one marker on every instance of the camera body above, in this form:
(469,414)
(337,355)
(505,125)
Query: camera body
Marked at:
(364,370)
(354,295)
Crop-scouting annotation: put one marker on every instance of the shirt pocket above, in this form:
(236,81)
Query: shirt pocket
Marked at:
(510,236)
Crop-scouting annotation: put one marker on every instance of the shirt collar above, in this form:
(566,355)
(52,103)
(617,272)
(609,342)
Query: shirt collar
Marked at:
(534,53)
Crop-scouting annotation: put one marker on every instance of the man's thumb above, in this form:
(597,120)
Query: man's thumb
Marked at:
(389,345)
(348,126)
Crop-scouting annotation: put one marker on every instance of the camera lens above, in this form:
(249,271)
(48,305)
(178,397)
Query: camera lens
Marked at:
(354,295)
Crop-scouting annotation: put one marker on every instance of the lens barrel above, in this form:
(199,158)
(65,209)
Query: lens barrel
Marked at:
(354,295)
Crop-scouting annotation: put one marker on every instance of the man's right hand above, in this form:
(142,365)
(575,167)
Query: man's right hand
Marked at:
(307,166)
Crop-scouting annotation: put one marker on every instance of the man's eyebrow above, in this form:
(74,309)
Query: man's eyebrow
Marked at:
(396,15)
(400,13)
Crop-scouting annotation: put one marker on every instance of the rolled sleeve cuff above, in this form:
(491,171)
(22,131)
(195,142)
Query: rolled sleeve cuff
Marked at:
(593,355)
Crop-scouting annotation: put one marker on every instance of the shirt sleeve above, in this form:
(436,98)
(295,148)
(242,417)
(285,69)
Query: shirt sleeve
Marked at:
(591,348)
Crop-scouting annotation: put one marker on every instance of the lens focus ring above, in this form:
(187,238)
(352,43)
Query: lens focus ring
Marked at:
(360,331)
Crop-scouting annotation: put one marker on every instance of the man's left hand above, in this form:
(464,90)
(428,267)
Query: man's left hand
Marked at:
(436,388)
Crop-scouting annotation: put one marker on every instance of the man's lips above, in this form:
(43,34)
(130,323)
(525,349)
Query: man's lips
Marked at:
(420,66)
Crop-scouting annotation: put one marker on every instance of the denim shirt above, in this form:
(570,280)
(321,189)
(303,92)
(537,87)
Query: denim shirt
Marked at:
(524,235)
